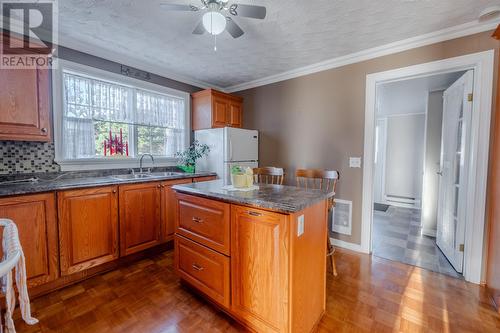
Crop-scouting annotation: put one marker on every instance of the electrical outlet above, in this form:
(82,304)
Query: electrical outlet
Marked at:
(300,225)
(354,162)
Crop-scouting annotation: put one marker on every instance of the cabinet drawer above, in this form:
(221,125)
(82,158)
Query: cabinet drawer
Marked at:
(204,221)
(203,268)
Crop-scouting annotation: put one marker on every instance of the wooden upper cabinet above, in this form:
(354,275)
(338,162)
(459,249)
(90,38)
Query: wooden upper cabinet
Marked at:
(259,268)
(168,207)
(88,228)
(140,217)
(212,109)
(24,105)
(35,217)
(234,114)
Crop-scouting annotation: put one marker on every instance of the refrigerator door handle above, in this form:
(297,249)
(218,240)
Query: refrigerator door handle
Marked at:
(230,150)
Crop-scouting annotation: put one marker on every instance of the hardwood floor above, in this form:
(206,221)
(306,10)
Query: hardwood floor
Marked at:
(369,294)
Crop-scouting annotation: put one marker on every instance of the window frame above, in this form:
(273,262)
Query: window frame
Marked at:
(97,163)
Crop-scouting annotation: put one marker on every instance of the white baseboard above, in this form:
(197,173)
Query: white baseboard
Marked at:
(429,232)
(346,245)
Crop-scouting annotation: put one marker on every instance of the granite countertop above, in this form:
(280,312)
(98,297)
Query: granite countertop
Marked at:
(47,185)
(280,198)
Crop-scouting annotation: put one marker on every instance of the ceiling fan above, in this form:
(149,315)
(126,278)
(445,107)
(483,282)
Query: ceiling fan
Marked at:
(216,18)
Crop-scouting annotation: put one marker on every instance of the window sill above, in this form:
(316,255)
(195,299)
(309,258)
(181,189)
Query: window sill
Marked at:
(85,164)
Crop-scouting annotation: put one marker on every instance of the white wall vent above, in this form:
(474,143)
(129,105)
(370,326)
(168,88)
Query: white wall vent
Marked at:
(342,217)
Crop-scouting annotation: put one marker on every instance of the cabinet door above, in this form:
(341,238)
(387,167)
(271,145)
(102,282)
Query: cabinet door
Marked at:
(234,114)
(88,228)
(35,217)
(140,217)
(168,207)
(259,268)
(204,179)
(203,268)
(219,110)
(24,105)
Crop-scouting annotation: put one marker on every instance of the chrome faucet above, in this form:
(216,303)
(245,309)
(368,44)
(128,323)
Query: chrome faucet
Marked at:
(140,161)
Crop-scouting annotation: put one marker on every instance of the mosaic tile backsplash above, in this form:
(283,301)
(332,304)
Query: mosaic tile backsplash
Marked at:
(19,157)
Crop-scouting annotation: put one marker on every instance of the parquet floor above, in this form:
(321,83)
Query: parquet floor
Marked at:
(370,294)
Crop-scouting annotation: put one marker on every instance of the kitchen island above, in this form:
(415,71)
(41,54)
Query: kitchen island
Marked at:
(258,255)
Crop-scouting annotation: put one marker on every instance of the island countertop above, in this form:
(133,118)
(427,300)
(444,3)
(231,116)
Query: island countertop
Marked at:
(279,198)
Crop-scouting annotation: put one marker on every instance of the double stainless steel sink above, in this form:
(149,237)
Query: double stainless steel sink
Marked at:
(147,175)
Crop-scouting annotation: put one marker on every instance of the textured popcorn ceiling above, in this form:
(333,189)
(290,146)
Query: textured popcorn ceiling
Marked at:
(294,33)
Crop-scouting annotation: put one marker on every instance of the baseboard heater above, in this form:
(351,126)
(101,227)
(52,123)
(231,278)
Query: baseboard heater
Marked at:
(402,200)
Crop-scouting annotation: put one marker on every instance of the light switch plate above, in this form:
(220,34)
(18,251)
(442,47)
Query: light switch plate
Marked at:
(300,225)
(354,162)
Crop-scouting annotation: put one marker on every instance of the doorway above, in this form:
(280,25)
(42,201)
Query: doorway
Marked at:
(410,195)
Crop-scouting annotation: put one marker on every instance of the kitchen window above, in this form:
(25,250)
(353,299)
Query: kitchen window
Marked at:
(106,120)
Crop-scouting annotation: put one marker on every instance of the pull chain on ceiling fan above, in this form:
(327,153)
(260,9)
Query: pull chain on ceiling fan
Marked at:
(215,19)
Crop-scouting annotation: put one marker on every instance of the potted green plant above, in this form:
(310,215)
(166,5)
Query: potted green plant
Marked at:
(188,157)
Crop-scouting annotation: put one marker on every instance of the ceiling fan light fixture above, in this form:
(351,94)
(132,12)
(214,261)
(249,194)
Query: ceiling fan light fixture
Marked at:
(214,22)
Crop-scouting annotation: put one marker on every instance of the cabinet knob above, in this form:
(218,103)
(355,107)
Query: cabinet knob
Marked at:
(44,130)
(197,219)
(114,191)
(158,185)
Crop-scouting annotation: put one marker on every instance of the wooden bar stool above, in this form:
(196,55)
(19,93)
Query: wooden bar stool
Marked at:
(269,175)
(327,181)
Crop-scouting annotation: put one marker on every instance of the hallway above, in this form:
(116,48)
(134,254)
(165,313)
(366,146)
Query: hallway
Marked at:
(397,236)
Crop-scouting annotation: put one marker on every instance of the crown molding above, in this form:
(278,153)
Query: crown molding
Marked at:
(124,59)
(462,30)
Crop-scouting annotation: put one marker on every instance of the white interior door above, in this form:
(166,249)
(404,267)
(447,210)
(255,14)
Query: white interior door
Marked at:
(379,160)
(457,111)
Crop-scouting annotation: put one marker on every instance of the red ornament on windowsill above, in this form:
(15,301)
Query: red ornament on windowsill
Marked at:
(115,145)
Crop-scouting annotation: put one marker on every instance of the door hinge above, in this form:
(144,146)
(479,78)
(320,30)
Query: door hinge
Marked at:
(470,97)
(461,248)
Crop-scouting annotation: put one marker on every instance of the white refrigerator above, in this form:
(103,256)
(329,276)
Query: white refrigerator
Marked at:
(228,146)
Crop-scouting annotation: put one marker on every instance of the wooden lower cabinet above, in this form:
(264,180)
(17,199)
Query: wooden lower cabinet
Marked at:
(204,221)
(259,268)
(204,179)
(277,274)
(203,268)
(88,228)
(140,217)
(168,207)
(35,217)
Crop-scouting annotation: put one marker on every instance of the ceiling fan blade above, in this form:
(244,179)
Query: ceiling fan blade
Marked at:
(257,12)
(233,29)
(200,29)
(178,7)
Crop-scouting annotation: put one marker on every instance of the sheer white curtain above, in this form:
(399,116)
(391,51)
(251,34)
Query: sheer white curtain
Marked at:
(159,110)
(88,100)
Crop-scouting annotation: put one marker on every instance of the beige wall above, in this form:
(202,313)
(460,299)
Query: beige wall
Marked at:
(317,121)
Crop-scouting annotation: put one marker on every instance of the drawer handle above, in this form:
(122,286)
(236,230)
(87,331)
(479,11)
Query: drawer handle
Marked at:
(197,219)
(254,213)
(197,267)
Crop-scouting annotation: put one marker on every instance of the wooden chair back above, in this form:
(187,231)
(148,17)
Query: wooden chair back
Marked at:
(325,180)
(269,175)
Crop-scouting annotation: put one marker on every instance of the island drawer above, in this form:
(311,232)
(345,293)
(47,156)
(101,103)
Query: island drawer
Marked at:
(204,221)
(204,269)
